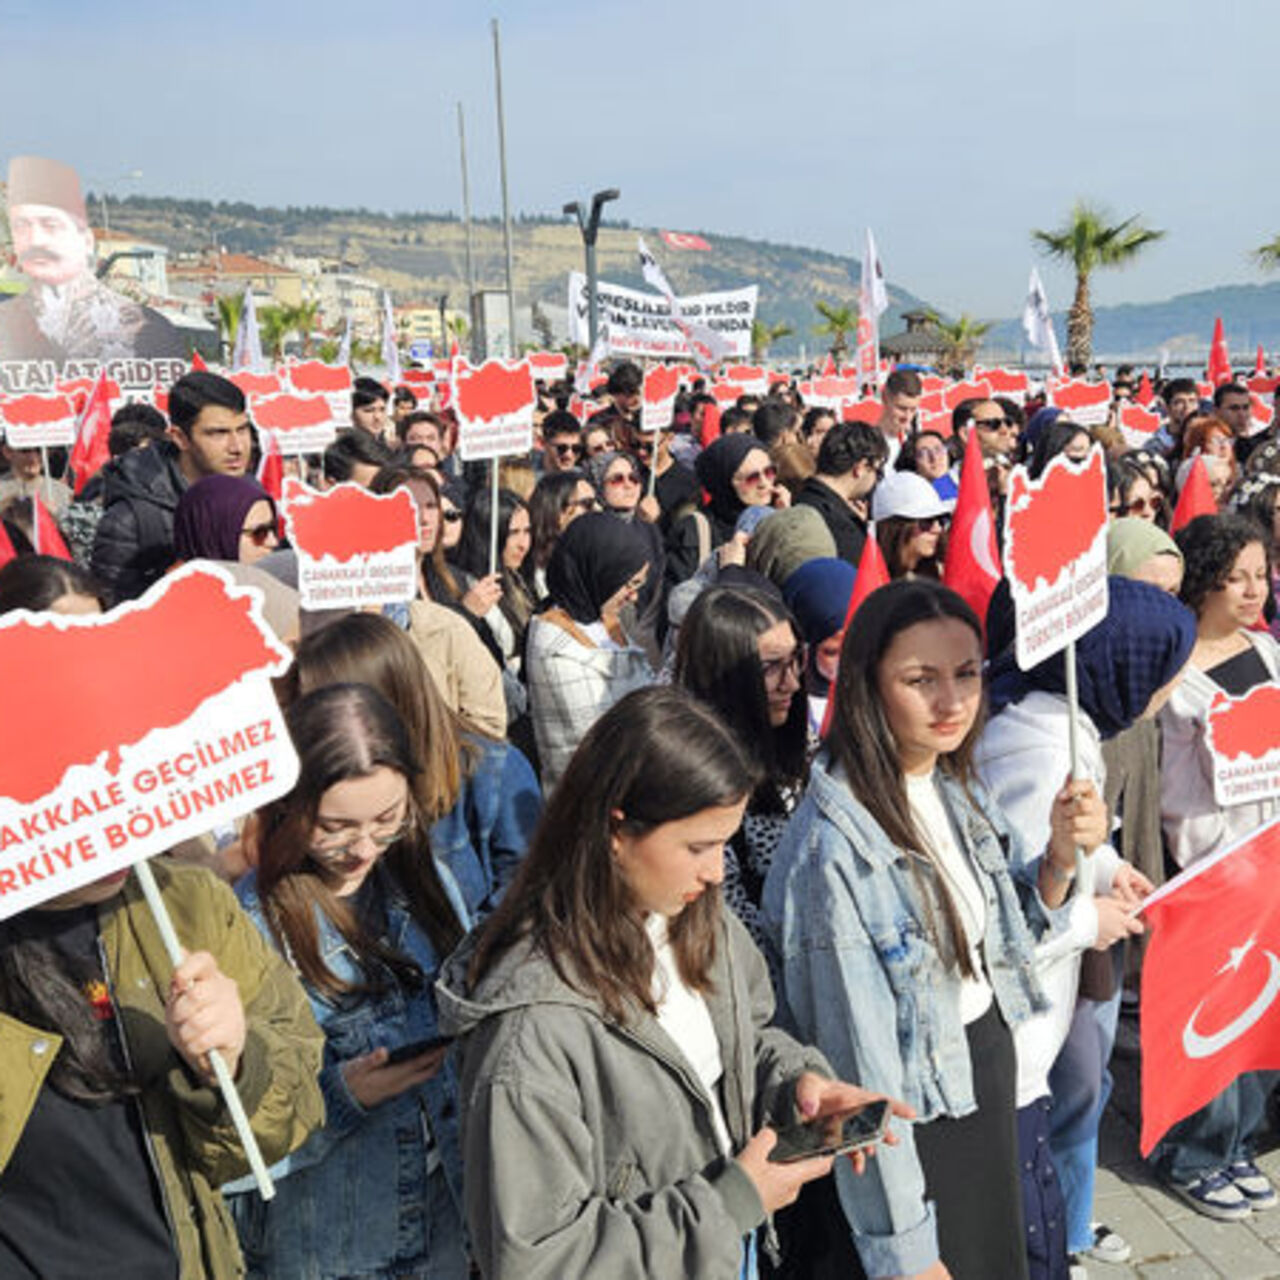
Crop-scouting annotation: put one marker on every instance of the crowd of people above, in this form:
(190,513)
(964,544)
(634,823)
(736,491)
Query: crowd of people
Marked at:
(611,860)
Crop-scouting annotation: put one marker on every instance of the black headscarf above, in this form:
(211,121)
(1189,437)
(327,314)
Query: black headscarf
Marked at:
(716,466)
(593,559)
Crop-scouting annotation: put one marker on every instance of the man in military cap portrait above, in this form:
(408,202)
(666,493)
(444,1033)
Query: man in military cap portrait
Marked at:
(67,313)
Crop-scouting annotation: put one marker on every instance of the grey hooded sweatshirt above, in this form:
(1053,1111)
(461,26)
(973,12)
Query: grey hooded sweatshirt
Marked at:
(588,1145)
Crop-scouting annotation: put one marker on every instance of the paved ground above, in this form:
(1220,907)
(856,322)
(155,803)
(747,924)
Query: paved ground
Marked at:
(1171,1241)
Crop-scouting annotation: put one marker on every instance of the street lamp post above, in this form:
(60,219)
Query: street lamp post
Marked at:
(589,225)
(444,323)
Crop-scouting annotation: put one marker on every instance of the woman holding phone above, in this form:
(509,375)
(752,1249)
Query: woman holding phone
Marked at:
(348,892)
(906,943)
(621,1084)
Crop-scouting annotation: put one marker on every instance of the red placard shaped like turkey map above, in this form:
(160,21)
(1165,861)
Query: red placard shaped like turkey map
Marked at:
(36,421)
(354,547)
(303,424)
(658,404)
(1055,553)
(133,730)
(1244,740)
(333,381)
(495,404)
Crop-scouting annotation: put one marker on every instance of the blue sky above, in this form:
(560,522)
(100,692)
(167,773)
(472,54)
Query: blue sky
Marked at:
(950,127)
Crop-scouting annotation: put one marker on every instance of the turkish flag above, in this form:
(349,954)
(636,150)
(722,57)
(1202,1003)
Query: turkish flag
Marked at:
(271,469)
(1210,980)
(710,424)
(1196,498)
(1260,362)
(873,573)
(829,368)
(1145,395)
(198,364)
(972,567)
(47,537)
(92,433)
(1219,357)
(7,550)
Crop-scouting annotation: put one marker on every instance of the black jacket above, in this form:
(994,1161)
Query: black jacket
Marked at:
(134,542)
(848,531)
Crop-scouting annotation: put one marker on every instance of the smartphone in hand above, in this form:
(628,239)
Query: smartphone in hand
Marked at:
(833,1135)
(416,1048)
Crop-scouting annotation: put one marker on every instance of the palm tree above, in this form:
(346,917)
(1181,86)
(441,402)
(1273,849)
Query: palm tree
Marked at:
(230,305)
(1087,241)
(274,326)
(763,336)
(303,320)
(837,324)
(961,339)
(1267,256)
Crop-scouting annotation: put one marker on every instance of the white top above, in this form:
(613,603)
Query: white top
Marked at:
(684,1016)
(930,816)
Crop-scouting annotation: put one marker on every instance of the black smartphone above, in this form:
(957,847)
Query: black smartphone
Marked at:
(415,1049)
(832,1135)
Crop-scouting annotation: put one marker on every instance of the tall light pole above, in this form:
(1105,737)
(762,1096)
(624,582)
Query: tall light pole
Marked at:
(506,206)
(466,229)
(589,225)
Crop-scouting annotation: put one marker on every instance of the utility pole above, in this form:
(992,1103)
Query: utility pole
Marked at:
(589,225)
(506,205)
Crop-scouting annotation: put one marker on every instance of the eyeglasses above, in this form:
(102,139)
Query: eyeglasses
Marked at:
(621,478)
(584,505)
(754,477)
(260,534)
(451,515)
(336,847)
(775,670)
(1140,506)
(568,450)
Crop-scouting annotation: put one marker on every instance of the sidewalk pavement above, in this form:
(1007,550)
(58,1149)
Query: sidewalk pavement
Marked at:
(1170,1240)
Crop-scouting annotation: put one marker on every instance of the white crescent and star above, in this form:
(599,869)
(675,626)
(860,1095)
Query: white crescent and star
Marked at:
(980,544)
(1197,1045)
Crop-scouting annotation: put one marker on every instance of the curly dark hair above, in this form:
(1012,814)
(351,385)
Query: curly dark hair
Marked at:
(1210,546)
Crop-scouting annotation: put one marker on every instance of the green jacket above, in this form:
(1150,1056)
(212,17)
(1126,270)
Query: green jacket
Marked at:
(193,1145)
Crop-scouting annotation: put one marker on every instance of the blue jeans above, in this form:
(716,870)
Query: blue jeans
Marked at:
(1218,1134)
(1080,1085)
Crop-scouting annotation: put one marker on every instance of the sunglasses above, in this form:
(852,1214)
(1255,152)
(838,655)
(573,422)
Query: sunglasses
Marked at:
(761,473)
(451,516)
(584,505)
(1141,505)
(926,524)
(621,478)
(642,446)
(991,424)
(260,534)
(568,450)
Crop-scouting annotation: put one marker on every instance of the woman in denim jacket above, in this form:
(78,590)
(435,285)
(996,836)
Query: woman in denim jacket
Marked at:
(479,795)
(906,944)
(346,890)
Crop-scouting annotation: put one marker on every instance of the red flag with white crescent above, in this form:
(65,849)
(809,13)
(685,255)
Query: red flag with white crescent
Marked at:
(972,567)
(1210,980)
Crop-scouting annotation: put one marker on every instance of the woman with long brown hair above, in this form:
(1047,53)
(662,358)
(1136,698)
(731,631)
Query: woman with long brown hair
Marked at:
(619,1075)
(905,941)
(347,891)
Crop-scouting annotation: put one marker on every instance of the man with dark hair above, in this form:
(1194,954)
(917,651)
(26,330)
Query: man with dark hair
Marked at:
(852,458)
(562,446)
(626,381)
(403,403)
(355,456)
(209,434)
(899,399)
(1181,399)
(422,427)
(369,407)
(135,425)
(1231,403)
(733,420)
(775,422)
(997,430)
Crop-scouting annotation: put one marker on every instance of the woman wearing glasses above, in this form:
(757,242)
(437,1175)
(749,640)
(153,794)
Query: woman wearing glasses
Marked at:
(911,525)
(740,652)
(558,499)
(346,889)
(225,518)
(736,473)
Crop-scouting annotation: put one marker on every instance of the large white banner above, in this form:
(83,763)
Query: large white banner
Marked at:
(640,324)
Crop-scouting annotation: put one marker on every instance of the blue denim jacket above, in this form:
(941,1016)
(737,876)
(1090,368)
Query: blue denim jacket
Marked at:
(354,1193)
(483,837)
(865,984)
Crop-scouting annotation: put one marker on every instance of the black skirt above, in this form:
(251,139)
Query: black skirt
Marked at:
(971,1165)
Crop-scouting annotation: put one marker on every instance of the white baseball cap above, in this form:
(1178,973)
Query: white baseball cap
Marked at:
(908,496)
